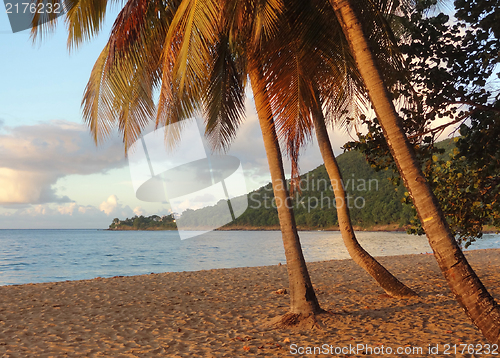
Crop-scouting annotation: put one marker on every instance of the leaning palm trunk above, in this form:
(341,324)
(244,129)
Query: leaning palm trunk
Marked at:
(303,300)
(463,281)
(391,285)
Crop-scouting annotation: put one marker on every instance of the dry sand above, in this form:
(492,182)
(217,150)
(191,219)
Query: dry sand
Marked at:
(223,313)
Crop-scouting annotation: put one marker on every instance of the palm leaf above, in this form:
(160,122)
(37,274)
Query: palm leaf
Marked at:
(186,54)
(84,19)
(121,88)
(224,99)
(98,111)
(266,15)
(44,22)
(297,61)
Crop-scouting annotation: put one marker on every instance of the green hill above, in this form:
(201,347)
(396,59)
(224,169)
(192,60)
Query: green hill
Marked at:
(372,199)
(374,202)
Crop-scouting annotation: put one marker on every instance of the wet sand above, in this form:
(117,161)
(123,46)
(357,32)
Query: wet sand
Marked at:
(226,313)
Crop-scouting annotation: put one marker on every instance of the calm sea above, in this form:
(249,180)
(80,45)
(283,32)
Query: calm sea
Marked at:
(58,255)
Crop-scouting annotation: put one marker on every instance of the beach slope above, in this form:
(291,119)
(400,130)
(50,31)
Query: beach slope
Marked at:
(225,313)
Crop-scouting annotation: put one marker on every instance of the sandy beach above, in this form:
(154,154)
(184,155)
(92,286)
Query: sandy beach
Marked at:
(226,313)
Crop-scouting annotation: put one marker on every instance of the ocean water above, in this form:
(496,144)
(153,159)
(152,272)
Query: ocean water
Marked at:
(31,256)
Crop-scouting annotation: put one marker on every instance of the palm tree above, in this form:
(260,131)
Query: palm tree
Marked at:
(318,65)
(302,296)
(463,281)
(185,50)
(384,278)
(235,54)
(121,88)
(388,282)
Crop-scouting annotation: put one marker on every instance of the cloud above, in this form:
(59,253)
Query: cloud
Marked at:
(68,209)
(109,205)
(68,215)
(20,186)
(205,198)
(57,146)
(113,208)
(34,157)
(48,216)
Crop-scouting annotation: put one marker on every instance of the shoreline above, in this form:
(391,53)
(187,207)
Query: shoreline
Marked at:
(374,228)
(226,312)
(377,228)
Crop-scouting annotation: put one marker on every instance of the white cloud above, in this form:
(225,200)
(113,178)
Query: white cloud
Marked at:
(71,216)
(24,187)
(34,157)
(109,205)
(186,204)
(85,209)
(39,210)
(67,209)
(113,208)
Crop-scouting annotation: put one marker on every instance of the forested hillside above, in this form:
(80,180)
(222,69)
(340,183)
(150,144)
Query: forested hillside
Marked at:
(374,202)
(372,198)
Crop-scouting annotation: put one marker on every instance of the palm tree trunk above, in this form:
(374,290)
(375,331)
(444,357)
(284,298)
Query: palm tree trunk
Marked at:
(303,300)
(391,285)
(463,281)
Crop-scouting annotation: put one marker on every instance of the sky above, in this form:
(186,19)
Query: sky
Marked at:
(52,175)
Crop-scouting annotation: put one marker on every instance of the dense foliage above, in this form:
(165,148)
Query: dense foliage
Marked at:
(452,65)
(453,71)
(372,199)
(153,222)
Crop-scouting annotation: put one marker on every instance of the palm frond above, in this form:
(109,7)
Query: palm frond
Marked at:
(117,95)
(97,103)
(44,22)
(137,108)
(290,91)
(266,15)
(224,99)
(260,92)
(121,88)
(83,19)
(198,22)
(251,22)
(306,67)
(186,54)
